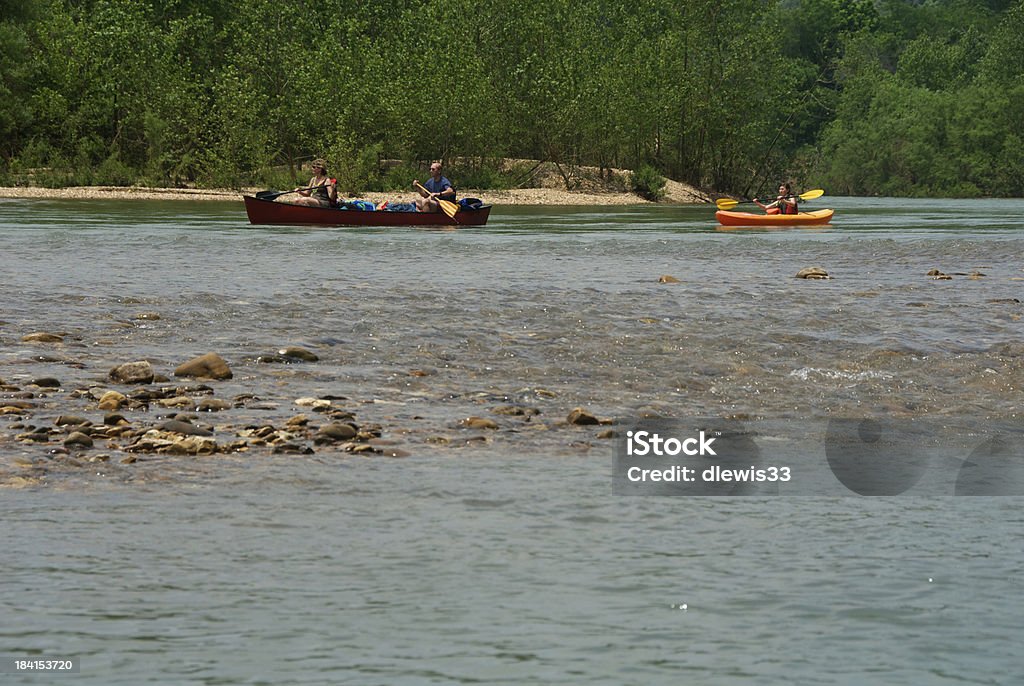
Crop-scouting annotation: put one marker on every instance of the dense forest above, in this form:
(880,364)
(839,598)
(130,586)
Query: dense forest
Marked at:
(891,97)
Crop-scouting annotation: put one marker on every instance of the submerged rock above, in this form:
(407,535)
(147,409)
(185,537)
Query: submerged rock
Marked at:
(665,278)
(293,352)
(42,337)
(210,365)
(479,423)
(812,273)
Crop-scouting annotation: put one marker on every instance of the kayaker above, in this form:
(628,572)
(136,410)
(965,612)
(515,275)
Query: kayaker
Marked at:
(786,203)
(437,186)
(323,189)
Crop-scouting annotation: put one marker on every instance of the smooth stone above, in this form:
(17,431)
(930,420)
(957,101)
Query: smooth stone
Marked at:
(210,365)
(213,405)
(184,428)
(112,400)
(666,278)
(77,438)
(336,431)
(294,352)
(148,316)
(47,382)
(42,337)
(132,373)
(316,404)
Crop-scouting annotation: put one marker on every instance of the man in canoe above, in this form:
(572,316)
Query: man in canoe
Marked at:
(322,190)
(786,203)
(437,186)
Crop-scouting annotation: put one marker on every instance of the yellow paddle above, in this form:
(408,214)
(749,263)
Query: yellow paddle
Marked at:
(447,206)
(728,203)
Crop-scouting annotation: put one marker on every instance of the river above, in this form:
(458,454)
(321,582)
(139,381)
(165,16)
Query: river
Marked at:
(499,555)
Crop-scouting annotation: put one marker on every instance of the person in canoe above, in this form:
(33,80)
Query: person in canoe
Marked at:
(786,203)
(437,186)
(322,189)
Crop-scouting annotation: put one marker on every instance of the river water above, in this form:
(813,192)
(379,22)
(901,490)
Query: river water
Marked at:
(500,555)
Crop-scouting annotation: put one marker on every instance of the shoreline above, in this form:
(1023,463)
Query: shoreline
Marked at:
(677,194)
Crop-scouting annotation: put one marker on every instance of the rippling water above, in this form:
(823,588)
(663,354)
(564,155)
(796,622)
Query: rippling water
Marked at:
(506,559)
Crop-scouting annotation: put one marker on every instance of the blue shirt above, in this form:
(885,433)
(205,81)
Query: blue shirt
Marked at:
(439,186)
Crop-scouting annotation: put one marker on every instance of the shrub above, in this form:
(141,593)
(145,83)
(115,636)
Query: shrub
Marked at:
(648,183)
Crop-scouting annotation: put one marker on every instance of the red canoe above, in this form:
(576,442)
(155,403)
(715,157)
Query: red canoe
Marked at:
(269,212)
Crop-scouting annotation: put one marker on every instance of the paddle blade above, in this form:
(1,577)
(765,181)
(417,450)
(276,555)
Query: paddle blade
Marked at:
(448,207)
(268,195)
(726,203)
(811,195)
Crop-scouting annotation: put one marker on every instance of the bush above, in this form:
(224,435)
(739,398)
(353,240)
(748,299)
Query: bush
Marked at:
(648,183)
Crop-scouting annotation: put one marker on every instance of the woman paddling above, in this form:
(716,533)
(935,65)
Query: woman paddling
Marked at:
(323,190)
(786,203)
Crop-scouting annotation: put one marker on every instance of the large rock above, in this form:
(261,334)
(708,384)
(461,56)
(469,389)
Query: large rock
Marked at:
(132,373)
(208,366)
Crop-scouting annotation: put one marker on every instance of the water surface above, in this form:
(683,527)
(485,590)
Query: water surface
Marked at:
(501,556)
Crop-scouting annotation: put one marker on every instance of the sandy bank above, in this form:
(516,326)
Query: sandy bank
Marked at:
(677,193)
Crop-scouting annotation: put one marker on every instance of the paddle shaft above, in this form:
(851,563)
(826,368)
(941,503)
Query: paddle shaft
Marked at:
(270,195)
(728,204)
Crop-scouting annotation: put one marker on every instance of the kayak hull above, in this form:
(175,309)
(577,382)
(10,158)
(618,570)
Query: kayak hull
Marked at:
(726,218)
(262,211)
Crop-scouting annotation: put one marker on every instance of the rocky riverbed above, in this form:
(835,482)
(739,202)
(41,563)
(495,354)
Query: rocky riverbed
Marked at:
(137,415)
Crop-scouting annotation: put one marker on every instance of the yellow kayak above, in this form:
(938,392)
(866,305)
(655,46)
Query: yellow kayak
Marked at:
(726,218)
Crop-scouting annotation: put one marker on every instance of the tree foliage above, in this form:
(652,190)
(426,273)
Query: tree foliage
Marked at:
(866,96)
